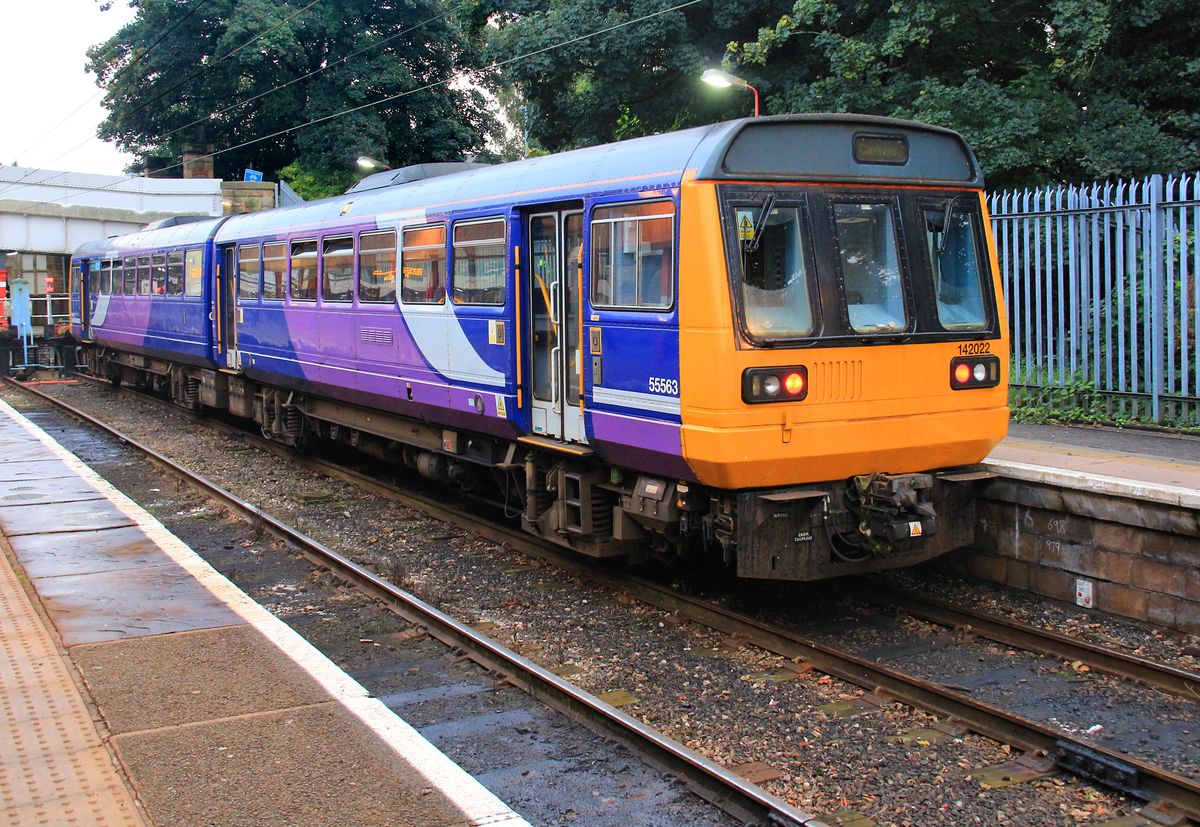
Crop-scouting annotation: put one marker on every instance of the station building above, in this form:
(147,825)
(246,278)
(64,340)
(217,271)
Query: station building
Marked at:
(46,214)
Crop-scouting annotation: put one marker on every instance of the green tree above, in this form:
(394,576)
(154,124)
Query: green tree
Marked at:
(1057,91)
(635,80)
(202,84)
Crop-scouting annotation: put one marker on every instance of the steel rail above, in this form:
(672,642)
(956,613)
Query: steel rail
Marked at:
(711,781)
(1034,639)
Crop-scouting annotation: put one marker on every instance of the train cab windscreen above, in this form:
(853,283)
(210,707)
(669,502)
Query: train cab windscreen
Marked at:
(775,271)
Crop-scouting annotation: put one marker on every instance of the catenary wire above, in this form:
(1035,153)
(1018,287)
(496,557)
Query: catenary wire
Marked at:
(191,10)
(494,65)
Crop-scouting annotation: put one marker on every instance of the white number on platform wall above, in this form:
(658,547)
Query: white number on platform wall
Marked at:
(668,386)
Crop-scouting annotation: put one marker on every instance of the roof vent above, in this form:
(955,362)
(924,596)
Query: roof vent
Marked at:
(175,221)
(416,172)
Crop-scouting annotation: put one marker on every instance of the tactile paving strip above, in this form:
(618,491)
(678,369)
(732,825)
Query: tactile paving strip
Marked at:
(54,769)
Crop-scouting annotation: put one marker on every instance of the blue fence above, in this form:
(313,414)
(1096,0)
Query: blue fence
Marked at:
(1102,286)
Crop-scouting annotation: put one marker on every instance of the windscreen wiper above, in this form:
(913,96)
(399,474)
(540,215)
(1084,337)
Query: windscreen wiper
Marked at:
(947,215)
(751,244)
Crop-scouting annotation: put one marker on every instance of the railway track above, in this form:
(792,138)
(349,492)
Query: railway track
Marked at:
(716,784)
(1046,748)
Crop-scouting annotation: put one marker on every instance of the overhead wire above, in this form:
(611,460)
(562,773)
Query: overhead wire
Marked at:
(494,65)
(18,185)
(196,4)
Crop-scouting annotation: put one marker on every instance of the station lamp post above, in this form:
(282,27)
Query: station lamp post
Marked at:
(724,80)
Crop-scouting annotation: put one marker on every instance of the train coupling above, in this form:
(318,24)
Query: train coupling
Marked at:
(894,507)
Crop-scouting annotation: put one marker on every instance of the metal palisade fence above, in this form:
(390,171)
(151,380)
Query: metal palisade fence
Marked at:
(1102,286)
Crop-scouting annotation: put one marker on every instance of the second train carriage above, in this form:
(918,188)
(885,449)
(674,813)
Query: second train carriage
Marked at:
(778,339)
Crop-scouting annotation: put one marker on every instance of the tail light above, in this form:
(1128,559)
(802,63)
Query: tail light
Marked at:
(775,384)
(974,372)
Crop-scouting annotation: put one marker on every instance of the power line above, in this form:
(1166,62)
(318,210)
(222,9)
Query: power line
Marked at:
(389,98)
(366,48)
(17,184)
(196,4)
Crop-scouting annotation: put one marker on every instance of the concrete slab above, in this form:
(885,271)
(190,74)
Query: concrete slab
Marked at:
(89,515)
(77,552)
(168,680)
(39,469)
(54,768)
(112,605)
(21,450)
(256,770)
(40,492)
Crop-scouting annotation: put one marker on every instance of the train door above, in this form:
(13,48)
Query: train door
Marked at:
(555,244)
(226,304)
(84,278)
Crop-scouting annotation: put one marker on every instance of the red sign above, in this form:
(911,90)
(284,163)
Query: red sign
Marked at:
(3,299)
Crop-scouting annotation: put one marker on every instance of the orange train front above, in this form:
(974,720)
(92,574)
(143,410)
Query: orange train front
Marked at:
(777,340)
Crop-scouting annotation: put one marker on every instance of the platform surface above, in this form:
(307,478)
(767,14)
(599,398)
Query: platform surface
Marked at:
(130,669)
(1154,466)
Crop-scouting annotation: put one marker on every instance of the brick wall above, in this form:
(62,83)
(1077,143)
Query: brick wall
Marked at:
(1143,558)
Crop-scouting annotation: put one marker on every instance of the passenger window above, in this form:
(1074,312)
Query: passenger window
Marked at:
(775,283)
(304,270)
(479,263)
(129,281)
(158,274)
(106,268)
(175,273)
(870,262)
(957,279)
(143,276)
(274,271)
(423,266)
(248,272)
(337,270)
(377,267)
(633,256)
(193,265)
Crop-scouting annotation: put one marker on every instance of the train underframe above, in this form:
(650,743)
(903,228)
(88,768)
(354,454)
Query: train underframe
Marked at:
(808,532)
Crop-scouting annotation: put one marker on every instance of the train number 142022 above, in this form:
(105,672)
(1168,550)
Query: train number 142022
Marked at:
(974,348)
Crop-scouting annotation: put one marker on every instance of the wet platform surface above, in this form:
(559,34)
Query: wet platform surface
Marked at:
(1148,465)
(131,671)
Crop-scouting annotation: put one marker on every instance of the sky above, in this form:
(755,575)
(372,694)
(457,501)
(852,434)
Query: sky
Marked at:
(42,80)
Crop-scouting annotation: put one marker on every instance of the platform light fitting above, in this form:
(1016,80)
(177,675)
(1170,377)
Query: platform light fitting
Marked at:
(366,162)
(723,80)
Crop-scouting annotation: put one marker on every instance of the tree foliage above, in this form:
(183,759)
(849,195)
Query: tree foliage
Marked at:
(1045,91)
(1059,91)
(201,84)
(635,80)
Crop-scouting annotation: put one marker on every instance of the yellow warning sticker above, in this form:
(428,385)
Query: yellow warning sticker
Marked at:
(745,224)
(914,528)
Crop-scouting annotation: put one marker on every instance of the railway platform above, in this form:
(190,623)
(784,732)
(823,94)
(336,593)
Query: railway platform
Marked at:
(1149,465)
(139,686)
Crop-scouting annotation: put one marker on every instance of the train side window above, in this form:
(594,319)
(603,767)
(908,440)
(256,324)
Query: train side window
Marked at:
(175,273)
(143,276)
(954,262)
(377,267)
(193,266)
(633,256)
(105,280)
(304,270)
(248,272)
(423,266)
(158,274)
(94,277)
(274,271)
(129,281)
(479,262)
(337,269)
(870,262)
(775,268)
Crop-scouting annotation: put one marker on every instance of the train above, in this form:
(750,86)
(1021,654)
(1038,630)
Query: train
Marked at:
(774,343)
